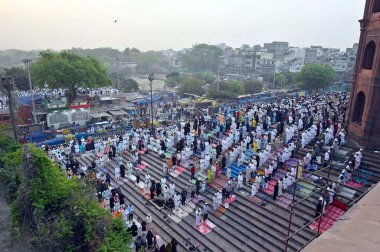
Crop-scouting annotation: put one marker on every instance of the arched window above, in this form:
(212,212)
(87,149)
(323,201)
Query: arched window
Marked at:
(369,55)
(359,107)
(376,6)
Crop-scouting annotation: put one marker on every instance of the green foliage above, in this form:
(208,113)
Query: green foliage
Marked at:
(202,58)
(117,237)
(252,86)
(14,57)
(314,76)
(191,85)
(284,79)
(150,61)
(129,85)
(173,79)
(50,187)
(54,212)
(207,77)
(227,89)
(69,70)
(10,161)
(20,77)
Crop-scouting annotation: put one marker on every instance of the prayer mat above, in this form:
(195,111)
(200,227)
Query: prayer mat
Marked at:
(332,214)
(256,200)
(244,193)
(270,186)
(201,176)
(175,218)
(132,177)
(179,213)
(284,200)
(219,182)
(147,196)
(219,213)
(203,228)
(174,174)
(187,209)
(354,184)
(141,185)
(190,204)
(142,166)
(211,190)
(179,169)
(347,193)
(193,181)
(210,224)
(198,198)
(229,200)
(187,163)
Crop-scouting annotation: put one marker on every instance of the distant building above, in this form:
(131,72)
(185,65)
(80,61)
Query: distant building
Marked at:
(310,55)
(277,48)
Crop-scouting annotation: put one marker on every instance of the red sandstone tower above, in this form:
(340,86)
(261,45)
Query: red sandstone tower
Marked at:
(364,113)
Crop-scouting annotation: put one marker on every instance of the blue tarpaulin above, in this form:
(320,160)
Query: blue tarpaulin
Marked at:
(27,100)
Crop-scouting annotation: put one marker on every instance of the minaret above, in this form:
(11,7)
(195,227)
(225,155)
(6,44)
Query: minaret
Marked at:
(363,118)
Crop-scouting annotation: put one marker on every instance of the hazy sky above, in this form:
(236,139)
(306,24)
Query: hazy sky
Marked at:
(177,24)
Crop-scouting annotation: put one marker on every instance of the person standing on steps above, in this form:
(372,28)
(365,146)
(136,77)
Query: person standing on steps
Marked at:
(275,192)
(183,196)
(130,212)
(197,217)
(205,212)
(137,176)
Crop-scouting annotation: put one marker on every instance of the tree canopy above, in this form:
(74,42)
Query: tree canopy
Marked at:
(51,211)
(227,89)
(173,79)
(68,70)
(191,85)
(207,76)
(129,85)
(20,77)
(202,58)
(252,86)
(314,76)
(284,79)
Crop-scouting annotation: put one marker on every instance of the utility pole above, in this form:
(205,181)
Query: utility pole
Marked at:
(8,84)
(118,74)
(151,78)
(34,117)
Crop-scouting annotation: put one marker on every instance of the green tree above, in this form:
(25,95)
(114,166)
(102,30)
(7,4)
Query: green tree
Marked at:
(173,79)
(20,77)
(202,57)
(314,76)
(129,85)
(191,85)
(69,70)
(151,61)
(50,211)
(284,79)
(227,89)
(207,76)
(252,86)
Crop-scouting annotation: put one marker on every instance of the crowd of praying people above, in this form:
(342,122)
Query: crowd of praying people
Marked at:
(272,131)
